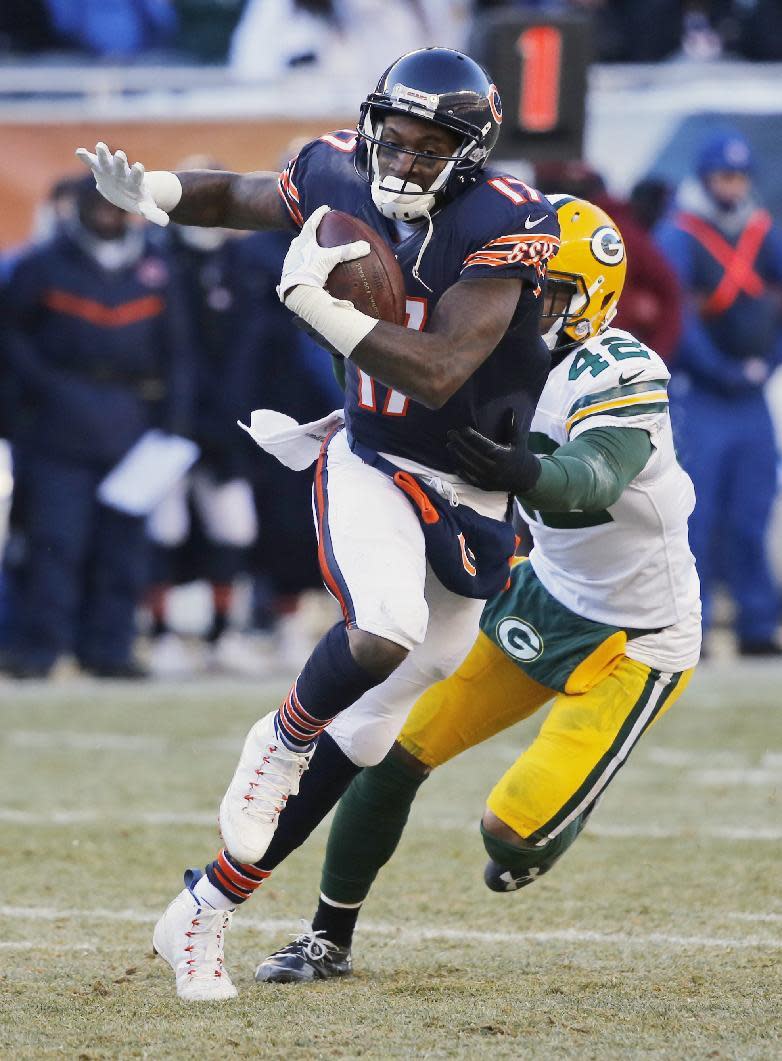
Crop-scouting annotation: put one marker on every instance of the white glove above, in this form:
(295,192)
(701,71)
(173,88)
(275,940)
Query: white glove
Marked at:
(151,195)
(308,264)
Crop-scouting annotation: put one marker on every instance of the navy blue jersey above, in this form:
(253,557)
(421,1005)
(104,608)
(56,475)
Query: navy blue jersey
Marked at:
(498,227)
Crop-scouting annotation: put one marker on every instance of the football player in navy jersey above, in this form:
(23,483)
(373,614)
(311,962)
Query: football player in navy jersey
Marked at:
(408,548)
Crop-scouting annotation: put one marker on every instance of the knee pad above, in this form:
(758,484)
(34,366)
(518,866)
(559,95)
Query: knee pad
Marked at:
(365,741)
(510,867)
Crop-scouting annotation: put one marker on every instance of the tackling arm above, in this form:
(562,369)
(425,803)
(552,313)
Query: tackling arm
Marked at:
(585,475)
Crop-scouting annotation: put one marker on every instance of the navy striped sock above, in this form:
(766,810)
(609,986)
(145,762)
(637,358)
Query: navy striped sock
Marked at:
(330,681)
(233,879)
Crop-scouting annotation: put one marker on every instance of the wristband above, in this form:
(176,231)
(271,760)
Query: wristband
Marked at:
(339,322)
(165,188)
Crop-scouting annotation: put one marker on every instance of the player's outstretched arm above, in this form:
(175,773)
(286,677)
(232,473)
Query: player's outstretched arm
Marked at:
(196,197)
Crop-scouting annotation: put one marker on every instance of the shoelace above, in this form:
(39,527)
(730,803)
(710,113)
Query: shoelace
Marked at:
(205,945)
(315,948)
(274,773)
(443,488)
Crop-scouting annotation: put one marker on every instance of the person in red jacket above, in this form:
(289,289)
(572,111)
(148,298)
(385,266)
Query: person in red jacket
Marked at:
(652,300)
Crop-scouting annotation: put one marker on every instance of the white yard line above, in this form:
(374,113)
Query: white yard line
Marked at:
(413,934)
(753,777)
(74,740)
(608,831)
(755,917)
(91,817)
(48,946)
(709,769)
(198,819)
(652,832)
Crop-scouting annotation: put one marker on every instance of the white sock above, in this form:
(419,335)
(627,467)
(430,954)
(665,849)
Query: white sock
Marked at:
(206,892)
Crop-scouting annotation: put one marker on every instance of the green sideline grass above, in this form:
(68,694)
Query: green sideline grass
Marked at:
(659,935)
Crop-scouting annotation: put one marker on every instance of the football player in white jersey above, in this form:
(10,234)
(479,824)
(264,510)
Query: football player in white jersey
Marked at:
(602,620)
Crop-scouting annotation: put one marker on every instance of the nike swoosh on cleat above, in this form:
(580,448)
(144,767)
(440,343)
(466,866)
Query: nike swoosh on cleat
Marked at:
(529,223)
(629,379)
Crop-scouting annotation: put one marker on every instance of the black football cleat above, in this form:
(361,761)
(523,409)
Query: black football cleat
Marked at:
(309,957)
(501,879)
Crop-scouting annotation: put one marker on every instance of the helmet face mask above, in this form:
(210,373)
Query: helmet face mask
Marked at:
(440,87)
(588,274)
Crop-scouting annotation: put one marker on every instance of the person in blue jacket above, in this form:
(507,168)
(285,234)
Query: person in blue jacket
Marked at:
(727,252)
(96,332)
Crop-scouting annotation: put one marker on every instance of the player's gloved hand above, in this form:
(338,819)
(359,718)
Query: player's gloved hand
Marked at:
(308,264)
(131,188)
(513,468)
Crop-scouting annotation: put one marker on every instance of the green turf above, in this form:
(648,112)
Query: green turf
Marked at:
(659,935)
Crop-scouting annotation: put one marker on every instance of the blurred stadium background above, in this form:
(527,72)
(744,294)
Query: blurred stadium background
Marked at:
(627,88)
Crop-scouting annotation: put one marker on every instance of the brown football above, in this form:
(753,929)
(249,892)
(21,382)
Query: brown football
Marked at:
(374,283)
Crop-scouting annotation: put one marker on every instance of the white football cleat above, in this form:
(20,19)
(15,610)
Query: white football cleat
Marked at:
(267,774)
(190,937)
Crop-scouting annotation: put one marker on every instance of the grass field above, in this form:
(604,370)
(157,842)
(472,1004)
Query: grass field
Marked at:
(658,936)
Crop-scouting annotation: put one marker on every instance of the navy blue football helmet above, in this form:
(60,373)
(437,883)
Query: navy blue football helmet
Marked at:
(450,90)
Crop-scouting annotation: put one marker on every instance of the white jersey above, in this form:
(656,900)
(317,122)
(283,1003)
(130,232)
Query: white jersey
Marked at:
(631,564)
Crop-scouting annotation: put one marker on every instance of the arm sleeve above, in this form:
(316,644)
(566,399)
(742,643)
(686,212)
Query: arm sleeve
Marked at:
(590,473)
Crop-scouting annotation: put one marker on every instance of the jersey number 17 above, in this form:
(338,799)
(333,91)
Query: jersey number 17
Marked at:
(395,403)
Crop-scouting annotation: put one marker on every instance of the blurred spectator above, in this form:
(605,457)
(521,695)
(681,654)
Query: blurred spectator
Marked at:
(650,306)
(646,31)
(113,27)
(25,26)
(650,200)
(96,332)
(343,37)
(209,264)
(50,215)
(748,28)
(625,31)
(206,28)
(56,209)
(728,254)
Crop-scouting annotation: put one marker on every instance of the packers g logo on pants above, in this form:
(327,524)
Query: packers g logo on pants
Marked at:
(519,639)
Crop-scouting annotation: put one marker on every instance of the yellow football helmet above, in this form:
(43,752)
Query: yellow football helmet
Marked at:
(586,277)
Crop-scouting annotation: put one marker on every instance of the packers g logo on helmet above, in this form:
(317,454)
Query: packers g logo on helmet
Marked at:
(586,278)
(607,246)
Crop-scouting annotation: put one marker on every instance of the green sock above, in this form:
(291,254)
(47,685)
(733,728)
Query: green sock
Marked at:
(367,827)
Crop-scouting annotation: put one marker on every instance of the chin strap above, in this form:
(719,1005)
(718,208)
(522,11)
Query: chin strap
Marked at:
(424,245)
